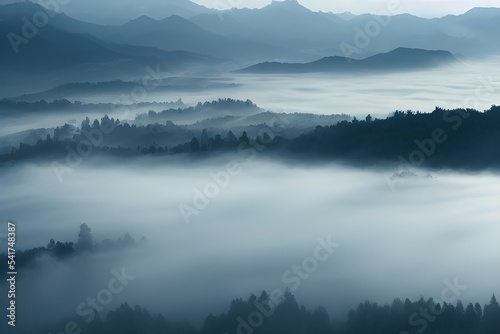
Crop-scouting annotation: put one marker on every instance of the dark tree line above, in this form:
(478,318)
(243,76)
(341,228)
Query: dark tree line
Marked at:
(425,316)
(208,109)
(62,250)
(126,320)
(269,314)
(19,108)
(64,142)
(444,138)
(266,315)
(460,138)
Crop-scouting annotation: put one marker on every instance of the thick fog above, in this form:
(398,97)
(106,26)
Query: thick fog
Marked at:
(403,243)
(183,222)
(468,84)
(266,217)
(465,84)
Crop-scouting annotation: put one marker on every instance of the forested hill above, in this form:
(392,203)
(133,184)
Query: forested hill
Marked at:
(459,139)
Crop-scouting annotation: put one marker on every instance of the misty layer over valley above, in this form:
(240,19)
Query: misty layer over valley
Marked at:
(173,168)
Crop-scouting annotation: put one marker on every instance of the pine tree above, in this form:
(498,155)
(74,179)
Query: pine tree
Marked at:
(85,239)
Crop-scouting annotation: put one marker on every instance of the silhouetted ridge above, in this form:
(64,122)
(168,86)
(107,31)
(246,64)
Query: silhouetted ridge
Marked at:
(467,139)
(396,60)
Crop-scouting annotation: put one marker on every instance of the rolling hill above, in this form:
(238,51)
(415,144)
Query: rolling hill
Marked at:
(400,59)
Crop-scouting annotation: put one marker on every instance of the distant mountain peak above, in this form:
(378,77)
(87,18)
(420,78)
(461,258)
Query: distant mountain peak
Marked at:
(483,12)
(178,21)
(175,18)
(345,15)
(404,51)
(24,7)
(144,19)
(483,9)
(286,4)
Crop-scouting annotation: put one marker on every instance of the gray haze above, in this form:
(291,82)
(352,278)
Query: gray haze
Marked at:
(403,243)
(468,84)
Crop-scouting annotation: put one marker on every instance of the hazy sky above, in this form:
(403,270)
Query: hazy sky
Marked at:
(417,7)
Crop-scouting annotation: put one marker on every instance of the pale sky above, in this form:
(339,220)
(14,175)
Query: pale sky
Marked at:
(425,8)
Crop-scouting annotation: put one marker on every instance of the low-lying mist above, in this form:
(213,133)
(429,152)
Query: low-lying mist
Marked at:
(467,84)
(249,223)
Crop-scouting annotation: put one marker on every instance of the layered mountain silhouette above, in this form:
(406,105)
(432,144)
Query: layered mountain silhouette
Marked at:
(177,33)
(310,35)
(290,37)
(171,33)
(281,31)
(67,42)
(397,60)
(67,50)
(119,12)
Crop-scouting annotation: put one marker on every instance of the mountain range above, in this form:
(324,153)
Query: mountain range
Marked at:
(119,12)
(311,35)
(65,49)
